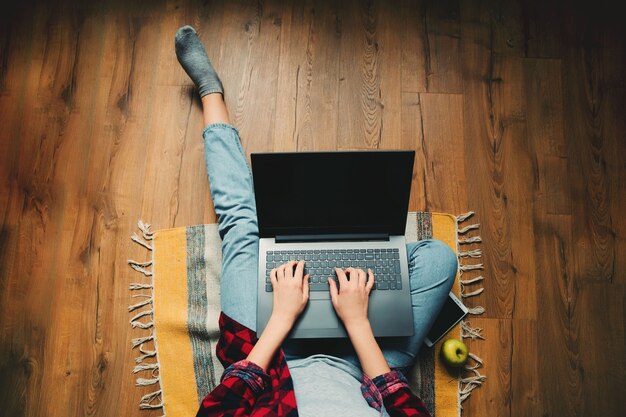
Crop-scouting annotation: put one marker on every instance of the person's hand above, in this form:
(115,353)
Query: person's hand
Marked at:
(291,291)
(351,299)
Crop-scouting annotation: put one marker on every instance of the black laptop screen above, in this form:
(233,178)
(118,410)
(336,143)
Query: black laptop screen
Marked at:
(332,192)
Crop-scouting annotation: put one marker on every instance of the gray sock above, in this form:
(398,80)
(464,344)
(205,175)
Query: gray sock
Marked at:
(194,60)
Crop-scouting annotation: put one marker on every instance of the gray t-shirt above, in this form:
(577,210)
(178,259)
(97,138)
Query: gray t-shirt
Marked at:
(329,386)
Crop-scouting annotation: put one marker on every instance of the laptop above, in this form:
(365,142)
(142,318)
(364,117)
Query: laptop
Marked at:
(336,209)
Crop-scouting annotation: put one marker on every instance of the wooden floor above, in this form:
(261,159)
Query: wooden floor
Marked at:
(515,110)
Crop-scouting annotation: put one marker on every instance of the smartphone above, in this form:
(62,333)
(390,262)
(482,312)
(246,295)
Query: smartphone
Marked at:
(450,315)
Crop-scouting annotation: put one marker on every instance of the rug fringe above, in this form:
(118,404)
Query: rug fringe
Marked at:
(137,266)
(146,354)
(139,304)
(466,229)
(476,310)
(468,240)
(153,400)
(471,267)
(469,383)
(471,281)
(462,217)
(145,230)
(468,332)
(476,253)
(472,293)
(141,314)
(137,286)
(146,401)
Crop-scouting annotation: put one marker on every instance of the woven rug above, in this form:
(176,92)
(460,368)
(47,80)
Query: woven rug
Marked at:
(179,305)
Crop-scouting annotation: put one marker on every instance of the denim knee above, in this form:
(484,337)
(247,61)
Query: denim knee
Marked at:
(441,259)
(238,225)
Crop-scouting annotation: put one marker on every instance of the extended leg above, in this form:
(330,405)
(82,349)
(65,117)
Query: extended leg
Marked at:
(233,198)
(231,185)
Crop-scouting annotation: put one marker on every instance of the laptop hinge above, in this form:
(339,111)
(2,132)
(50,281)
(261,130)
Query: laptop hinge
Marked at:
(343,237)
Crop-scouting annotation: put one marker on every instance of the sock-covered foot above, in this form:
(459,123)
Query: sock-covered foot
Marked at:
(193,58)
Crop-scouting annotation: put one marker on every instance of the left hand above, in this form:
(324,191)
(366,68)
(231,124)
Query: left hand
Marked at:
(291,290)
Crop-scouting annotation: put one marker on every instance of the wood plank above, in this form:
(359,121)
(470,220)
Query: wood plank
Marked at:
(389,55)
(558,353)
(443,148)
(543,77)
(98,208)
(240,25)
(431,47)
(120,138)
(543,22)
(545,129)
(588,149)
(413,62)
(161,194)
(16,49)
(442,56)
(295,68)
(256,30)
(412,139)
(307,115)
(360,106)
(501,183)
(555,291)
(26,230)
(70,274)
(599,312)
(526,396)
(555,174)
(494,129)
(324,94)
(518,183)
(613,63)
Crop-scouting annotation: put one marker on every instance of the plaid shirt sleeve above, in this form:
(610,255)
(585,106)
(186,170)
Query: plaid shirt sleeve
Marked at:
(245,389)
(241,384)
(392,390)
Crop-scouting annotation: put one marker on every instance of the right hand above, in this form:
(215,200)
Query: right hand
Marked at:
(351,300)
(291,291)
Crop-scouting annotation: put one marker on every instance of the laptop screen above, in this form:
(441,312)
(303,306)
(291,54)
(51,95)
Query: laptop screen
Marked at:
(307,193)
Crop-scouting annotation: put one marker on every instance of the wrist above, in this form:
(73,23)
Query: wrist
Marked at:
(272,337)
(280,323)
(358,326)
(370,355)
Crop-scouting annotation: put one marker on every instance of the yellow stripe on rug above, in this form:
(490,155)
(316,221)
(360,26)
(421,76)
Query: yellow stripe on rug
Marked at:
(174,352)
(447,384)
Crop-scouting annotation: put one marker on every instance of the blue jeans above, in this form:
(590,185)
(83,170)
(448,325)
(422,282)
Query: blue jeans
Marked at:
(432,264)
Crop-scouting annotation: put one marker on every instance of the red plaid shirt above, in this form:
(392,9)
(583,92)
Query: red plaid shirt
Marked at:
(247,390)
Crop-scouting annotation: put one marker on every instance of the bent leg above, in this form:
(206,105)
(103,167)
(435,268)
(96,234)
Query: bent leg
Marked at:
(432,269)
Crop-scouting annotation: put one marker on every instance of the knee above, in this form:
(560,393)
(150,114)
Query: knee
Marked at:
(436,257)
(239,223)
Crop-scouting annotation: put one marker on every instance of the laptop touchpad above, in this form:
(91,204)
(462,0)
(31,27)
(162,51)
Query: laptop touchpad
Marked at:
(319,314)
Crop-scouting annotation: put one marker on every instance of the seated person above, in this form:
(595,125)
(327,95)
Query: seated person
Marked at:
(273,376)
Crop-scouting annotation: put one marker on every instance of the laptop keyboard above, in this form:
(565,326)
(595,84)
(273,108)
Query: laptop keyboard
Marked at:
(320,264)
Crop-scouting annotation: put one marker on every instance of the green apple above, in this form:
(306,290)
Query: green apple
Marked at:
(454,353)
